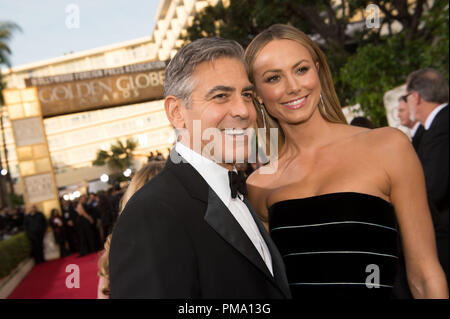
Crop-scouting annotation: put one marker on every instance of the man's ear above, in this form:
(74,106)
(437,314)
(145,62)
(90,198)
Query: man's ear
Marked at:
(173,106)
(416,97)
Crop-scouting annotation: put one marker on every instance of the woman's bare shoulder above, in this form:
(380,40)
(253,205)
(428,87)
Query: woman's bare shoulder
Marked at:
(376,137)
(390,137)
(386,144)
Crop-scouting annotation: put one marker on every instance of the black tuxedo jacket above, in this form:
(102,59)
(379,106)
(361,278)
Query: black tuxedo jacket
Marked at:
(417,137)
(434,155)
(176,239)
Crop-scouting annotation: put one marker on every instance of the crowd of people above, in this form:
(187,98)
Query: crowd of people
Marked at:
(11,221)
(81,227)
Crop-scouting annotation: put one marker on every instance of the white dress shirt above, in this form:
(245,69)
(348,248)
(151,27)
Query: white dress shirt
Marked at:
(217,178)
(432,115)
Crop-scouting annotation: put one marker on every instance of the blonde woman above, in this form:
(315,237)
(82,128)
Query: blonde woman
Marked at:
(333,204)
(141,177)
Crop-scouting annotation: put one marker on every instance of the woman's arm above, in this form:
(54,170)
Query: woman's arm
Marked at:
(426,278)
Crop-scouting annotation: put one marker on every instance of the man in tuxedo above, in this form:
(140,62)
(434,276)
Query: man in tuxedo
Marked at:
(35,228)
(416,129)
(189,232)
(427,99)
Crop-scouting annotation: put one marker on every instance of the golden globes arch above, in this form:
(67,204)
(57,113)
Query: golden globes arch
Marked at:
(64,94)
(35,166)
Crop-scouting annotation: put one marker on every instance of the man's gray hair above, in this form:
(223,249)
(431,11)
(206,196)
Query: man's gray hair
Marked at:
(178,76)
(430,84)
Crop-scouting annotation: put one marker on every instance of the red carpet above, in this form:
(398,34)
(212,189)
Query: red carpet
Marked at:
(48,280)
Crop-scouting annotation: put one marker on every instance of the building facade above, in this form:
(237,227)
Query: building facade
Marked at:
(74,139)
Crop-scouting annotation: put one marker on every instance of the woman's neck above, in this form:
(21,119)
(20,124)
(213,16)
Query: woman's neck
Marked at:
(306,136)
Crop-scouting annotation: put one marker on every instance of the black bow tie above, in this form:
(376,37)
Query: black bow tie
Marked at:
(237,183)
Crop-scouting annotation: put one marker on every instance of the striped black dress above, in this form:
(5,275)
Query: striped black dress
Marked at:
(338,245)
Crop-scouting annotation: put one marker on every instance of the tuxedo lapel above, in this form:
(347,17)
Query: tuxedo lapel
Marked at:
(277,261)
(191,180)
(220,218)
(222,221)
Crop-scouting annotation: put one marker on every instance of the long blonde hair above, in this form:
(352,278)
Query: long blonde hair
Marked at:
(331,108)
(141,177)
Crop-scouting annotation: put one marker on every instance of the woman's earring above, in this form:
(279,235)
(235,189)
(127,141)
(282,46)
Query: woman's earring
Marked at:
(323,104)
(263,115)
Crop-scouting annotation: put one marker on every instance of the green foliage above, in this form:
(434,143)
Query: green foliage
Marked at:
(242,20)
(436,53)
(379,67)
(364,64)
(6,31)
(16,200)
(12,252)
(102,157)
(119,157)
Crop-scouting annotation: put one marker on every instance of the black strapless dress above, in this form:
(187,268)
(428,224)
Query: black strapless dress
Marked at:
(338,245)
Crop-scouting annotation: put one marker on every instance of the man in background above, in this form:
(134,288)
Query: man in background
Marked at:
(35,228)
(414,126)
(427,98)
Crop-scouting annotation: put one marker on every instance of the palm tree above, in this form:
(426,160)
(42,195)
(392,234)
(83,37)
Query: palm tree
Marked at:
(118,158)
(6,31)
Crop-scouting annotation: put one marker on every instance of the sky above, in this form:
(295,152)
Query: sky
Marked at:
(51,28)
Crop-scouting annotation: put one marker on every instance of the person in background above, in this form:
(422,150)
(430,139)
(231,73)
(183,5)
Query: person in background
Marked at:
(141,177)
(35,228)
(116,194)
(97,229)
(159,156)
(427,99)
(106,215)
(57,224)
(3,222)
(69,216)
(17,219)
(406,119)
(13,221)
(85,230)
